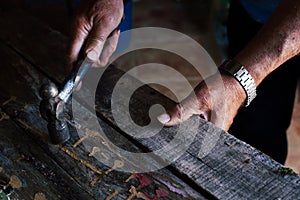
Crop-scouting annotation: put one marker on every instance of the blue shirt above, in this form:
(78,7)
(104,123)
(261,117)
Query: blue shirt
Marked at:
(260,10)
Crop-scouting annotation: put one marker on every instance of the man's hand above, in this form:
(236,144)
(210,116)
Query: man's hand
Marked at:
(216,100)
(94,22)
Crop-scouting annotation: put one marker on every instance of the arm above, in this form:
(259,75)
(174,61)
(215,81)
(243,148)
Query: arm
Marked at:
(276,42)
(93,23)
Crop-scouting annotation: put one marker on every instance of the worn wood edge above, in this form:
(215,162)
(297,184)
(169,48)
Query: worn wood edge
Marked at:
(227,143)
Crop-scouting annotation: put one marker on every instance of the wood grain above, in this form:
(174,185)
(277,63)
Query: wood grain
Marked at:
(90,175)
(231,170)
(35,171)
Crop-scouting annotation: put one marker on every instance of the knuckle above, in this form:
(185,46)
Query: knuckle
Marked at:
(110,20)
(82,25)
(179,111)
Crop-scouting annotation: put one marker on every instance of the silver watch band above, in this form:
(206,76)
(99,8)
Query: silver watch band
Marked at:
(243,77)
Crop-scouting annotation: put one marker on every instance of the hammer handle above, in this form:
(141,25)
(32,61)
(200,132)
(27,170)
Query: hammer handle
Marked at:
(76,76)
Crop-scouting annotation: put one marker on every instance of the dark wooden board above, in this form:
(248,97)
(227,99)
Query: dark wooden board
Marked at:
(232,170)
(73,158)
(29,169)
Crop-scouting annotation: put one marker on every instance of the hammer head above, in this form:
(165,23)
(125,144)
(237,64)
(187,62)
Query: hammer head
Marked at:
(58,131)
(52,110)
(48,91)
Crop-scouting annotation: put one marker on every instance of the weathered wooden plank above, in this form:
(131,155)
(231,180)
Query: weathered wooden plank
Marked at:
(29,170)
(233,170)
(94,177)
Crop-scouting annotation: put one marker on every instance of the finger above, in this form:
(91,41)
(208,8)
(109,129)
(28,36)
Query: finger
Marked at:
(181,112)
(109,48)
(177,114)
(97,38)
(80,32)
(171,117)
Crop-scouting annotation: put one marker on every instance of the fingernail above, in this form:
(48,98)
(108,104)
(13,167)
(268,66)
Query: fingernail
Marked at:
(92,55)
(164,118)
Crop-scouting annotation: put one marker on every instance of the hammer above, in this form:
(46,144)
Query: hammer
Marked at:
(52,105)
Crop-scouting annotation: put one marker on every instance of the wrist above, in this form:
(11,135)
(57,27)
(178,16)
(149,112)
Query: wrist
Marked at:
(242,77)
(233,88)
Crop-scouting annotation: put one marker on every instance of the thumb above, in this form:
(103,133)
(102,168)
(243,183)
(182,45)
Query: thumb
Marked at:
(178,113)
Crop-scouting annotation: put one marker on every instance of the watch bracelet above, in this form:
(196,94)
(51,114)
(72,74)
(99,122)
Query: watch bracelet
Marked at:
(244,78)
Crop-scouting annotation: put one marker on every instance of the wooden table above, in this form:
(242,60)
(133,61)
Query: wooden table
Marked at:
(32,54)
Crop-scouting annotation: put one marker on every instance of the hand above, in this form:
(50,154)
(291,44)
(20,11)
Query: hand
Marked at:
(94,22)
(216,100)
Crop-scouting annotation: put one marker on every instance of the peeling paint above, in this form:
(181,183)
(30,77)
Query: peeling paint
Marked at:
(94,151)
(172,188)
(132,176)
(95,180)
(115,193)
(40,196)
(15,182)
(144,181)
(87,134)
(84,162)
(117,164)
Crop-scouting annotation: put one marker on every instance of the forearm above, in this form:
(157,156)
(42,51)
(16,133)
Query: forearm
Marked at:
(276,42)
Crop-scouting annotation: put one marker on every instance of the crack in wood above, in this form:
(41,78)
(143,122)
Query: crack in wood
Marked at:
(39,133)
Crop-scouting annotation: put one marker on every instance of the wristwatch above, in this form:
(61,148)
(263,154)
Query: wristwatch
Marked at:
(239,72)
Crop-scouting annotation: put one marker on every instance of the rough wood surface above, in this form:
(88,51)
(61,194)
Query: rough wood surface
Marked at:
(19,99)
(29,169)
(232,170)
